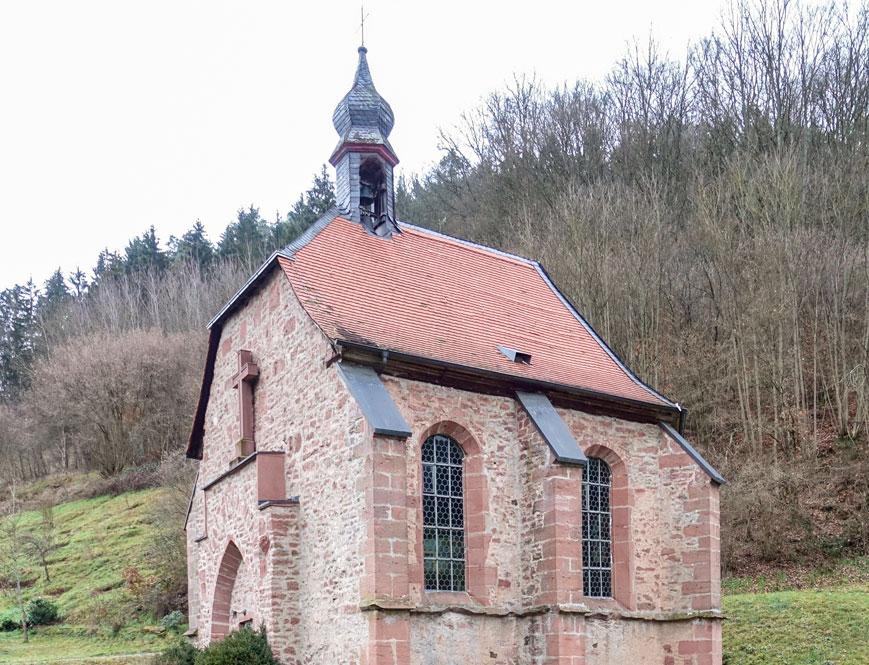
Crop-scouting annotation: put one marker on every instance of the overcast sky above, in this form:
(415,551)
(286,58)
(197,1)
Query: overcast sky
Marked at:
(115,115)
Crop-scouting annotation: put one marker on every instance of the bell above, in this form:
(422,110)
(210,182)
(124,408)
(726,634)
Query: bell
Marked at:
(366,195)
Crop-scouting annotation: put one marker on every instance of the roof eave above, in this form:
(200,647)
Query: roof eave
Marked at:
(488,381)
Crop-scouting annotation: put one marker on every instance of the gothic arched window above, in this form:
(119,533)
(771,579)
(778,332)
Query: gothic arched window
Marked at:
(443,514)
(597,566)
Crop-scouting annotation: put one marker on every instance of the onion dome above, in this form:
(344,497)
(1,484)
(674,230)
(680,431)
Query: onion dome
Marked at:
(363,116)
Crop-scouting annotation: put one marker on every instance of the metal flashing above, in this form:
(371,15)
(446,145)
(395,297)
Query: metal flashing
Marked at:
(591,331)
(310,233)
(468,243)
(552,427)
(377,405)
(716,477)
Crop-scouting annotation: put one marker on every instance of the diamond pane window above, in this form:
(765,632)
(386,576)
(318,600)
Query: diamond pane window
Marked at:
(443,514)
(597,568)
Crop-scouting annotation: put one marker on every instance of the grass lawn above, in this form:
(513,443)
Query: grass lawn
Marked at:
(824,623)
(63,644)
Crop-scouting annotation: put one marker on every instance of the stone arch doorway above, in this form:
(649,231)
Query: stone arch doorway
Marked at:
(226,575)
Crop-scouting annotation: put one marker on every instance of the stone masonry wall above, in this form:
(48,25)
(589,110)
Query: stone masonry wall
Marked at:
(532,609)
(305,555)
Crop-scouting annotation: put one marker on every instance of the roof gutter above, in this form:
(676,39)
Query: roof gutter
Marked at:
(387,360)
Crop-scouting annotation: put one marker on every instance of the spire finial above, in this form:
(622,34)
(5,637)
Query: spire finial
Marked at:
(362,17)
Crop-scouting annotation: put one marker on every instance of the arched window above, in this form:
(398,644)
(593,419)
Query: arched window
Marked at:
(443,514)
(597,566)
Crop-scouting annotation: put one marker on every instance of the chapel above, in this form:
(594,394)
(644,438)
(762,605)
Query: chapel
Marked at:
(414,450)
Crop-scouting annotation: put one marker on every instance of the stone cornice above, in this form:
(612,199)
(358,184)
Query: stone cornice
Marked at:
(590,612)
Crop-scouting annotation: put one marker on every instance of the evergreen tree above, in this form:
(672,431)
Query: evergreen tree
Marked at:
(79,282)
(54,293)
(194,245)
(143,253)
(311,205)
(247,239)
(18,338)
(108,264)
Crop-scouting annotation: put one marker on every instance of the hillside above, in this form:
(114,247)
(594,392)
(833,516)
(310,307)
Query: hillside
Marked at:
(795,617)
(99,539)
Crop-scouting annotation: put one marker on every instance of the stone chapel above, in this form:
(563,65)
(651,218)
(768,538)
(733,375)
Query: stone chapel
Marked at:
(413,449)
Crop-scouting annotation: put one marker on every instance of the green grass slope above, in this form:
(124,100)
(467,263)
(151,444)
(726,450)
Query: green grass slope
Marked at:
(98,539)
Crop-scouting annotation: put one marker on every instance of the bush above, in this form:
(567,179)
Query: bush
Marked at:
(243,646)
(129,480)
(10,620)
(172,621)
(42,612)
(182,653)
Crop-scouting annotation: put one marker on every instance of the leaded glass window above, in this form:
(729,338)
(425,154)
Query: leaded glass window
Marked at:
(443,514)
(597,568)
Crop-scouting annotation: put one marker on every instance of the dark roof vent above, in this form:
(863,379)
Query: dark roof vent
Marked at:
(514,355)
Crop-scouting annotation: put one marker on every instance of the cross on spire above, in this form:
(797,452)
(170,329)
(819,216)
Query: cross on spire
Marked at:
(243,380)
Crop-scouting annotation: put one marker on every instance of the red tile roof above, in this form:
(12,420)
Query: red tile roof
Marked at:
(428,295)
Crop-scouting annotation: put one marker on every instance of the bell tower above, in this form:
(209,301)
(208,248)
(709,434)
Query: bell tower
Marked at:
(364,159)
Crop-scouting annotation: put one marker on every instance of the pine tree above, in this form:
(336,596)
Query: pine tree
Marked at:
(247,239)
(18,338)
(194,246)
(311,205)
(79,282)
(143,254)
(109,264)
(54,293)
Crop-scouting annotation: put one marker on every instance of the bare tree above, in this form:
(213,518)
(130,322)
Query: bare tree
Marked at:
(14,561)
(41,541)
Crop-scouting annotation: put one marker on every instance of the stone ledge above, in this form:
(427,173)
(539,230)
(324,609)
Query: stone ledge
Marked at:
(269,503)
(480,610)
(238,466)
(638,615)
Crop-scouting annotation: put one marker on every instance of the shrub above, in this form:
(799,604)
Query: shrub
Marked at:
(42,612)
(243,646)
(173,620)
(107,613)
(10,620)
(181,653)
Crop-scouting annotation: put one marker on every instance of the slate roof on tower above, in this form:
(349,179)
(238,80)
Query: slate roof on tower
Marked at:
(363,116)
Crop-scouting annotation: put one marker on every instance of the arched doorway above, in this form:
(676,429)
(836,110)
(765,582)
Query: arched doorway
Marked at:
(226,574)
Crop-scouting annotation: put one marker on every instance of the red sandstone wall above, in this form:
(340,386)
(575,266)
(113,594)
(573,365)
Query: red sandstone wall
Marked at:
(531,557)
(306,555)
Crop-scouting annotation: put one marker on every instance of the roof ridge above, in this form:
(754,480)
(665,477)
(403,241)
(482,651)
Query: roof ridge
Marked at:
(485,249)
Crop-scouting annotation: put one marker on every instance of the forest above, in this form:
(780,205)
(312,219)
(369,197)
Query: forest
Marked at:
(708,212)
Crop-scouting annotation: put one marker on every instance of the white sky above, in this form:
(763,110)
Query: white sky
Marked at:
(115,115)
